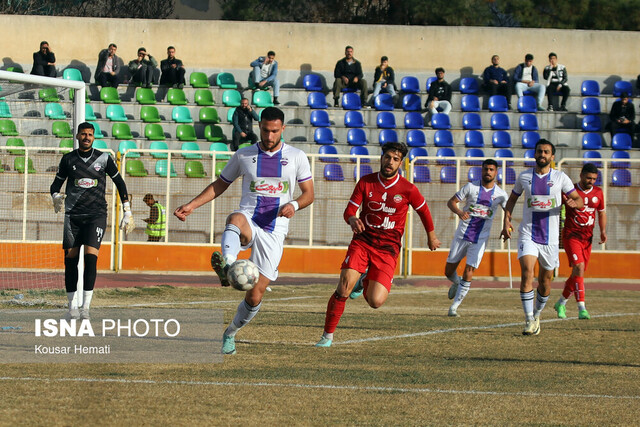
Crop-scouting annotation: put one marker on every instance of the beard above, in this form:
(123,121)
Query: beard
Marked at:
(542,162)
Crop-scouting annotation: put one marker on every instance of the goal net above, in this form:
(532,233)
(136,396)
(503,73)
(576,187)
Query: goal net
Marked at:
(38,118)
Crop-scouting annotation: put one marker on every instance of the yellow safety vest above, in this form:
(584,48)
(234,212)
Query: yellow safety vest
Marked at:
(159,228)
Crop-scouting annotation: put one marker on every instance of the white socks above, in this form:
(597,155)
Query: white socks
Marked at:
(86,299)
(230,243)
(527,303)
(454,278)
(461,292)
(71,296)
(244,314)
(540,303)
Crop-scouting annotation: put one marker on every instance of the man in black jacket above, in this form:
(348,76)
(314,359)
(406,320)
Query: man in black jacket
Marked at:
(172,70)
(622,116)
(44,61)
(243,118)
(348,74)
(108,67)
(556,76)
(439,94)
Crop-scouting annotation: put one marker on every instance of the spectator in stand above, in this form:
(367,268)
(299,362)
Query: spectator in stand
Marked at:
(496,80)
(44,61)
(622,116)
(242,120)
(172,70)
(143,68)
(439,98)
(383,79)
(108,67)
(265,73)
(157,221)
(348,74)
(556,76)
(526,78)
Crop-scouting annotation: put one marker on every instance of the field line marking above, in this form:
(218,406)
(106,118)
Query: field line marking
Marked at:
(321,386)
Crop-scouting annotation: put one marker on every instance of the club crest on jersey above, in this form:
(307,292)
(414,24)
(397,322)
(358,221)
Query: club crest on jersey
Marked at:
(594,199)
(97,167)
(284,161)
(549,183)
(397,198)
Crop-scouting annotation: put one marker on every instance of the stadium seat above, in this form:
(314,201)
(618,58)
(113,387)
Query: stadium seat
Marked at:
(386,120)
(383,102)
(48,94)
(52,110)
(448,175)
(158,145)
(474,174)
(364,170)
(226,81)
(120,131)
(213,133)
(149,114)
(262,99)
(145,96)
(312,83)
(209,115)
(530,154)
(500,121)
(416,138)
(328,149)
(8,128)
(109,95)
(100,144)
(470,103)
(621,178)
(323,136)
(154,132)
(421,174)
(469,85)
(444,152)
(185,133)
(528,122)
(162,168)
(97,132)
(410,84)
(15,68)
(387,135)
(503,153)
(419,152)
(198,80)
(443,138)
(591,124)
(181,114)
(18,165)
(220,147)
(317,100)
(88,112)
(359,150)
(230,113)
(498,104)
(413,120)
(440,121)
(319,118)
(129,148)
(474,153)
(527,104)
(474,138)
(231,98)
(591,106)
(356,136)
(351,101)
(501,139)
(244,145)
(429,81)
(353,119)
(620,155)
(621,141)
(18,142)
(411,102)
(591,156)
(591,141)
(471,121)
(194,169)
(59,129)
(204,98)
(621,87)
(187,149)
(72,74)
(176,96)
(135,167)
(220,166)
(333,172)
(510,176)
(5,111)
(529,139)
(115,113)
(590,88)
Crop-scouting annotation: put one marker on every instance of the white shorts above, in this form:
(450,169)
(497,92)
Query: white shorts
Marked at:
(266,249)
(473,251)
(548,255)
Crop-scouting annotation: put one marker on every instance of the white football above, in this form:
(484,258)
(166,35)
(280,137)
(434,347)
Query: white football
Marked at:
(243,275)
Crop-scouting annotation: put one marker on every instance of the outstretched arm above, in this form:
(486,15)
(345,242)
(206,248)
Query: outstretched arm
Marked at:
(212,191)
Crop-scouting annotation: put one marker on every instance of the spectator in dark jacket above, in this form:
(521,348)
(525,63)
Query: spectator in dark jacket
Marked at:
(496,80)
(622,116)
(348,74)
(44,61)
(556,76)
(242,120)
(172,70)
(439,94)
(108,67)
(383,78)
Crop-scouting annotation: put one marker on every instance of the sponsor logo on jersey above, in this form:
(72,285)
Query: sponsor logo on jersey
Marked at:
(377,206)
(86,183)
(480,211)
(269,187)
(541,203)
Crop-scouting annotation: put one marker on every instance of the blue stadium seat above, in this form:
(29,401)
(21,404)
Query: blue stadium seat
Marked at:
(413,120)
(448,175)
(469,85)
(474,138)
(474,153)
(440,121)
(429,81)
(498,104)
(621,141)
(356,136)
(416,138)
(530,154)
(387,135)
(317,100)
(421,174)
(591,106)
(353,119)
(590,88)
(328,149)
(621,178)
(411,102)
(312,83)
(528,122)
(620,155)
(359,150)
(527,104)
(500,121)
(511,176)
(333,172)
(383,102)
(591,156)
(471,121)
(591,124)
(364,170)
(591,141)
(445,152)
(443,138)
(418,152)
(410,84)
(323,136)
(529,139)
(470,103)
(503,153)
(386,120)
(621,87)
(474,174)
(351,101)
(319,118)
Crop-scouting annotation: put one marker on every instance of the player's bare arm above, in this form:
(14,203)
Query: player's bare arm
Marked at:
(508,210)
(432,240)
(602,220)
(452,204)
(306,198)
(574,200)
(212,191)
(356,224)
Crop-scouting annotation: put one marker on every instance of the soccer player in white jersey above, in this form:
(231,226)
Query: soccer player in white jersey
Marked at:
(270,170)
(539,230)
(482,199)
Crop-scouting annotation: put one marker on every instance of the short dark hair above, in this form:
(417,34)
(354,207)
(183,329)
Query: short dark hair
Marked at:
(243,98)
(148,196)
(348,47)
(439,69)
(624,95)
(113,45)
(171,47)
(589,168)
(543,141)
(271,113)
(384,58)
(43,43)
(86,125)
(552,54)
(142,50)
(490,162)
(271,53)
(528,57)
(395,146)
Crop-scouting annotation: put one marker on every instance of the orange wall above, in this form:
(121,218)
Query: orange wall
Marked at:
(44,255)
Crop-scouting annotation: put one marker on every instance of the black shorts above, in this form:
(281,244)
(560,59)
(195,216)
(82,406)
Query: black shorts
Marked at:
(80,231)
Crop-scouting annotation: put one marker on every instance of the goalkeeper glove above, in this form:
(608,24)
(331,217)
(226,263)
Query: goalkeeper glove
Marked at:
(127,223)
(58,201)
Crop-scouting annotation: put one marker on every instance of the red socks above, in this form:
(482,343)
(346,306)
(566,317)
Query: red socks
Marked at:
(335,308)
(574,285)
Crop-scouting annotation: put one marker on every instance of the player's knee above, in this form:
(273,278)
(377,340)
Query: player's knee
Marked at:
(375,302)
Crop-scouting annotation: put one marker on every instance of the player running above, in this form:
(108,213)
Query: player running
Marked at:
(539,229)
(577,237)
(270,170)
(482,199)
(385,197)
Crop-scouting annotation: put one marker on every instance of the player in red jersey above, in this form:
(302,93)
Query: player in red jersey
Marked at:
(385,197)
(577,236)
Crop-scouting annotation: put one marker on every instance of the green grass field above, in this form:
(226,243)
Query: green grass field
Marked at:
(406,363)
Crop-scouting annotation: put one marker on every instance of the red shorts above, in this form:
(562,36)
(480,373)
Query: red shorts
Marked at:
(577,251)
(381,265)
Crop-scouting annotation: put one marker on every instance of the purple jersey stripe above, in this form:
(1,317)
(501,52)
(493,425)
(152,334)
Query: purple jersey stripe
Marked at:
(266,212)
(269,166)
(540,220)
(476,224)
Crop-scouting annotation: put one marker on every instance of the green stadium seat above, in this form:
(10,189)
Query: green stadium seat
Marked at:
(115,113)
(219,167)
(5,111)
(15,142)
(8,128)
(231,98)
(245,144)
(61,130)
(213,133)
(48,94)
(16,68)
(220,147)
(158,145)
(186,133)
(145,96)
(121,131)
(262,99)
(198,80)
(154,132)
(88,112)
(181,114)
(97,132)
(128,147)
(230,114)
(18,165)
(66,143)
(204,97)
(72,74)
(135,167)
(161,168)
(194,169)
(190,146)
(109,95)
(100,144)
(54,111)
(209,115)
(176,97)
(226,81)
(149,114)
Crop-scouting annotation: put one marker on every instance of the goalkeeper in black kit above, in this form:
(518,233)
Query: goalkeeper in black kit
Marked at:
(85,212)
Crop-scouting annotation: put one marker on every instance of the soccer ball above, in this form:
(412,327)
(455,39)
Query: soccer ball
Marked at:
(243,275)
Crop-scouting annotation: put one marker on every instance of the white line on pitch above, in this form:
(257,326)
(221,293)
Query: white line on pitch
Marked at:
(322,387)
